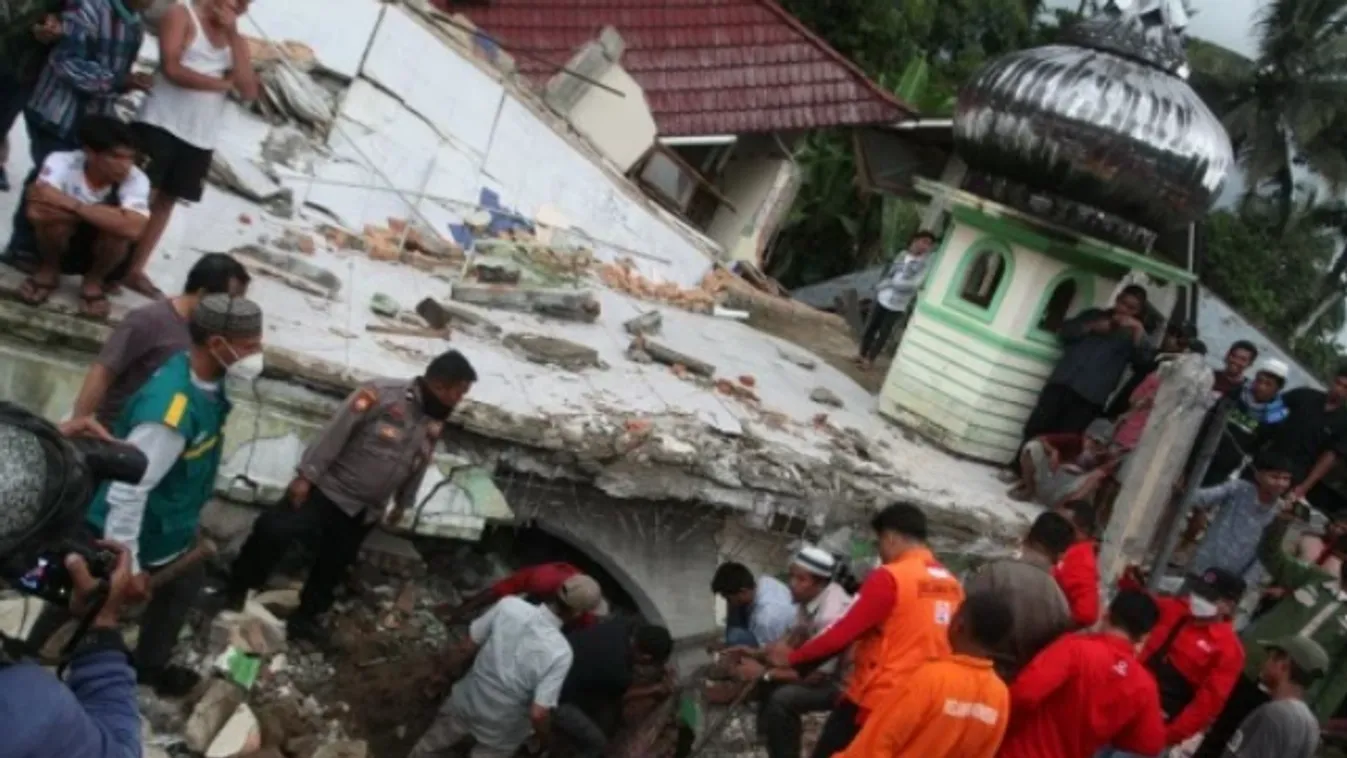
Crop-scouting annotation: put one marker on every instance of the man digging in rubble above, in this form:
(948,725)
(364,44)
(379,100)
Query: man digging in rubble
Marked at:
(788,695)
(378,446)
(521,662)
(177,420)
(532,582)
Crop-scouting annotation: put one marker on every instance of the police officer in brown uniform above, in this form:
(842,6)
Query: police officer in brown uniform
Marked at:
(376,447)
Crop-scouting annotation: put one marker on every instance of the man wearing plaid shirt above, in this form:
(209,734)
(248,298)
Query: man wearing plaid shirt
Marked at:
(87,71)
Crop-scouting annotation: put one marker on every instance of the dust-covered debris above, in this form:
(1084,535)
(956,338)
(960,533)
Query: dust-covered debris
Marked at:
(825,396)
(553,351)
(566,304)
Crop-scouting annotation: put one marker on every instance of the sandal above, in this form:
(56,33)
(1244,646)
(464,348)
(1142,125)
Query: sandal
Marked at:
(95,304)
(141,285)
(36,293)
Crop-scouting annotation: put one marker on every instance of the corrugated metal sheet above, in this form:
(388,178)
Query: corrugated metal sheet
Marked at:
(707,66)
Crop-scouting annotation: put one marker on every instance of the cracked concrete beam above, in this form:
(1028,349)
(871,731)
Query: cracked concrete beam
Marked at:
(569,304)
(592,60)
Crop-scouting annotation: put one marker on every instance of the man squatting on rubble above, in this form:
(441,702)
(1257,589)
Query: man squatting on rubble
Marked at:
(520,665)
(758,611)
(94,712)
(377,446)
(176,419)
(787,695)
(899,621)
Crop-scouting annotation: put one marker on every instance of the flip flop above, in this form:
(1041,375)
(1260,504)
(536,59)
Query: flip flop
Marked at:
(142,285)
(95,304)
(34,292)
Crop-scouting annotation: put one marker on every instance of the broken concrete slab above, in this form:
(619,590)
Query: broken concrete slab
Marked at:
(293,270)
(441,315)
(671,357)
(216,707)
(646,323)
(554,352)
(241,735)
(567,304)
(391,553)
(344,749)
(802,361)
(825,396)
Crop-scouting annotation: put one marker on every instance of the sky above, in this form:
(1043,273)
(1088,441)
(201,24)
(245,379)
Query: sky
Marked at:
(1225,22)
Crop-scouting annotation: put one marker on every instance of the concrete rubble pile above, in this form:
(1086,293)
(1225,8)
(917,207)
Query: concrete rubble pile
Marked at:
(371,693)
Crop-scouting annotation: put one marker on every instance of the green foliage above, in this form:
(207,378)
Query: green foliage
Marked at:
(1270,275)
(920,49)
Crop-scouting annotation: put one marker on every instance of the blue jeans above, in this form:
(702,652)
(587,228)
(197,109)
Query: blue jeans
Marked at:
(41,143)
(737,635)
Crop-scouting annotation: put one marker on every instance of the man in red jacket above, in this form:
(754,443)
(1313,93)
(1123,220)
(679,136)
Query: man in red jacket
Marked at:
(537,582)
(1088,690)
(1077,573)
(1194,652)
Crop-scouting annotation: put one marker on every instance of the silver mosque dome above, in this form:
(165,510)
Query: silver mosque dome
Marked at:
(1105,120)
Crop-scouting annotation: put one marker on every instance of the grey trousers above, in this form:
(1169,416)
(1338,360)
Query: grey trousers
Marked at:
(581,733)
(780,711)
(445,733)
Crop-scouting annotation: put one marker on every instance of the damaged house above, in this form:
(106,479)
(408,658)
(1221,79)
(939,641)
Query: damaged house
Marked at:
(407,186)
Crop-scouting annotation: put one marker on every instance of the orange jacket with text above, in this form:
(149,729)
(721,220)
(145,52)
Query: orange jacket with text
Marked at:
(915,632)
(955,707)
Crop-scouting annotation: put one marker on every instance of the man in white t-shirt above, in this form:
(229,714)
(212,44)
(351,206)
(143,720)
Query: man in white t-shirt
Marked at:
(894,294)
(91,202)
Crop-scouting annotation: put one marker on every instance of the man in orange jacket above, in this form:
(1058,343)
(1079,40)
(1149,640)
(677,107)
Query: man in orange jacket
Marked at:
(951,707)
(899,621)
(1077,573)
(1088,690)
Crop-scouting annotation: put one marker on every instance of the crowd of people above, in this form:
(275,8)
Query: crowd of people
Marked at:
(102,191)
(1019,660)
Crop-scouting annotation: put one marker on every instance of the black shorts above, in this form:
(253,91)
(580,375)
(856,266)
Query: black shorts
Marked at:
(174,167)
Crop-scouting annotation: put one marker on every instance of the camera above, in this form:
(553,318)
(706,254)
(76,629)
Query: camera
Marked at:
(47,485)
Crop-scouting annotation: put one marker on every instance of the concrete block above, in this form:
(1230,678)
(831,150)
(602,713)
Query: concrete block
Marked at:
(568,304)
(671,357)
(240,735)
(210,714)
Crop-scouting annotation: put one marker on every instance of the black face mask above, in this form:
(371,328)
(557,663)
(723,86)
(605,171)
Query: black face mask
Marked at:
(432,405)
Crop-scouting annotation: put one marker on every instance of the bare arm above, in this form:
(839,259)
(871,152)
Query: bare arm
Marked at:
(1321,468)
(175,33)
(92,392)
(114,220)
(244,76)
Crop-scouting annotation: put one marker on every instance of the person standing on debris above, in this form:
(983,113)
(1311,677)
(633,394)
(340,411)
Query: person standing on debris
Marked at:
(516,678)
(605,659)
(1239,511)
(1055,468)
(85,74)
(1077,573)
(30,29)
(1040,613)
(1194,652)
(1314,434)
(1285,727)
(953,706)
(787,695)
(1097,347)
(145,338)
(894,296)
(378,446)
(177,420)
(1088,690)
(87,207)
(759,611)
(1238,359)
(202,58)
(1314,607)
(899,621)
(94,712)
(1257,408)
(533,582)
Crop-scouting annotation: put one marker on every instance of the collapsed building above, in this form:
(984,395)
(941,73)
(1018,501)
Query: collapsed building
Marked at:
(401,190)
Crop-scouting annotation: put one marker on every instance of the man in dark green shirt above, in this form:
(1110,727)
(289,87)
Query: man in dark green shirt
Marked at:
(27,30)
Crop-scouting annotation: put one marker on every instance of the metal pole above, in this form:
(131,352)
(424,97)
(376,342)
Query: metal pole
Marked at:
(1206,450)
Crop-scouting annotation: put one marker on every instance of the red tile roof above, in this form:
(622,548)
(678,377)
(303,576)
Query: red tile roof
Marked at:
(707,66)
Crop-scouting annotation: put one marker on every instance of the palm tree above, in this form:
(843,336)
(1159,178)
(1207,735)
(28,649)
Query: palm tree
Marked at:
(1286,110)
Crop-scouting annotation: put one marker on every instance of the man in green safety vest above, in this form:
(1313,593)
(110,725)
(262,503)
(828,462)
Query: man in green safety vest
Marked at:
(177,419)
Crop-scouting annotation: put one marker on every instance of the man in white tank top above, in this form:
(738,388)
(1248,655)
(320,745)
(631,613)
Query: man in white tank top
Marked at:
(202,58)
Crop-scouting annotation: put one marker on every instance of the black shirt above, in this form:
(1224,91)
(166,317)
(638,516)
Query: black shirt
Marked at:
(1309,431)
(601,668)
(1092,362)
